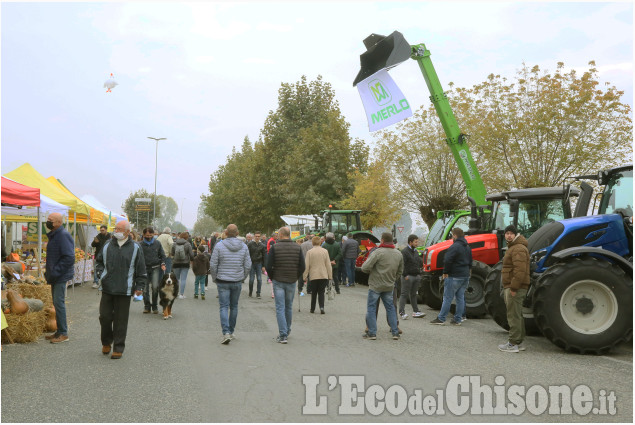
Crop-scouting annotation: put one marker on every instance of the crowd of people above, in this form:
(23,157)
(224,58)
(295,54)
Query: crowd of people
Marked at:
(128,264)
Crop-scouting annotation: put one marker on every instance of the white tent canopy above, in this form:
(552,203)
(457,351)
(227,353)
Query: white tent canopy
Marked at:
(94,202)
(47,206)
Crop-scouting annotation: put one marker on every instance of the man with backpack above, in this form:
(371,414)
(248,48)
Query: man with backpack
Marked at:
(181,256)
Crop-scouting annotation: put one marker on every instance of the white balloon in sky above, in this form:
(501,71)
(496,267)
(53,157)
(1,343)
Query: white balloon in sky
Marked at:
(110,83)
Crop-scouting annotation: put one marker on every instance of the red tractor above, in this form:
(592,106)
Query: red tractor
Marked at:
(527,209)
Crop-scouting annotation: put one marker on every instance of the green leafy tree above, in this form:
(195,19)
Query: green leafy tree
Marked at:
(178,227)
(372,195)
(234,197)
(306,149)
(205,225)
(143,219)
(169,209)
(423,174)
(542,127)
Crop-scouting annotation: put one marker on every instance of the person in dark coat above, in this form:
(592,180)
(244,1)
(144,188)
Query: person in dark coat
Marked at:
(98,243)
(154,257)
(60,268)
(122,272)
(456,272)
(285,265)
(257,252)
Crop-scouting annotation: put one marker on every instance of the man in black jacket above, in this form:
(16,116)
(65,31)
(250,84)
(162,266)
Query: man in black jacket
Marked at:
(285,265)
(257,253)
(122,271)
(411,278)
(456,272)
(98,243)
(154,257)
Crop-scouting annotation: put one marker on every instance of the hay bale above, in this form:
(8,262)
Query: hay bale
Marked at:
(25,327)
(40,292)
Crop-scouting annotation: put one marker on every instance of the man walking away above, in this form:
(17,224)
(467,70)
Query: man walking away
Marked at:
(335,255)
(182,256)
(350,252)
(60,268)
(122,270)
(515,278)
(166,241)
(305,246)
(411,278)
(285,265)
(154,257)
(456,272)
(257,252)
(98,243)
(230,263)
(383,266)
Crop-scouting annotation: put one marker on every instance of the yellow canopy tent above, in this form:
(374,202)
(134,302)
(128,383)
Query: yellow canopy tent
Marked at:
(27,175)
(96,216)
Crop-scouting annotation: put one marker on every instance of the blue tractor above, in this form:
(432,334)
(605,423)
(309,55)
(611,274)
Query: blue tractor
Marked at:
(581,289)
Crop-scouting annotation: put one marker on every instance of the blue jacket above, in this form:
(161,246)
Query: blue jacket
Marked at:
(458,259)
(122,269)
(60,256)
(230,261)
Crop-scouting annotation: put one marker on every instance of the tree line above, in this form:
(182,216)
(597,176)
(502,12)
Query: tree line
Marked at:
(534,129)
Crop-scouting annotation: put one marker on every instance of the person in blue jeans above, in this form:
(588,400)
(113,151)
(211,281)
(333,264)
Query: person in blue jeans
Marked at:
(285,266)
(456,272)
(182,255)
(383,265)
(257,253)
(200,267)
(230,264)
(60,268)
(350,251)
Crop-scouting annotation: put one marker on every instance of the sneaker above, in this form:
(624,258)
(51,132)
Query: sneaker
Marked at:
(258,297)
(395,337)
(463,319)
(203,296)
(51,336)
(232,337)
(146,311)
(226,339)
(281,339)
(60,338)
(249,295)
(322,311)
(509,347)
(404,316)
(369,336)
(455,323)
(521,347)
(301,294)
(418,314)
(181,297)
(155,311)
(95,286)
(400,331)
(195,296)
(436,322)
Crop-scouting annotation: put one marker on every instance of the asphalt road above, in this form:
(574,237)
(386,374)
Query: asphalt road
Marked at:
(177,370)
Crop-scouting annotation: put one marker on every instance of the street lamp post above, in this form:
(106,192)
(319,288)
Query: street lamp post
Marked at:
(156,157)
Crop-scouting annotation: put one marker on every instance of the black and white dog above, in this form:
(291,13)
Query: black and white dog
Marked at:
(168,291)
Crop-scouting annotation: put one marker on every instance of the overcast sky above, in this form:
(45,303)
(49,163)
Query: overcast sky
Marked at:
(205,75)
